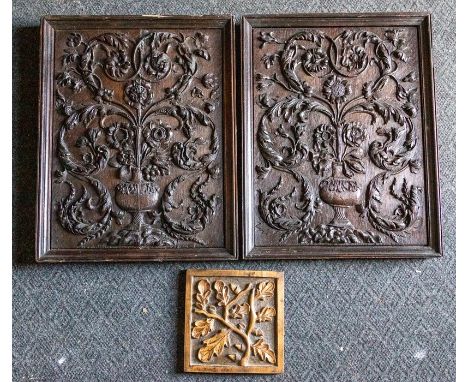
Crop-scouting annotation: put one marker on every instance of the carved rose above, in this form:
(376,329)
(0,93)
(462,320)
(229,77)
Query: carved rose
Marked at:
(118,64)
(157,64)
(354,134)
(138,93)
(335,89)
(74,39)
(354,58)
(119,135)
(314,60)
(156,133)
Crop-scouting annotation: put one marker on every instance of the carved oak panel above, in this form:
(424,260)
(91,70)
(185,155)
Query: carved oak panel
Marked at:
(137,139)
(339,138)
(234,321)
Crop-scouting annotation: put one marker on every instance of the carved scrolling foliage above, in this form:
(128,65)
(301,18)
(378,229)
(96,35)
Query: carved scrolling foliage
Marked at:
(289,135)
(129,131)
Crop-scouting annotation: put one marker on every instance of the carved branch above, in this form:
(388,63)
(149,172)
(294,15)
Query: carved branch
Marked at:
(227,323)
(235,299)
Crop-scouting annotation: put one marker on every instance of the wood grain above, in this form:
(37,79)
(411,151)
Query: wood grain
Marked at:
(234,322)
(339,141)
(137,139)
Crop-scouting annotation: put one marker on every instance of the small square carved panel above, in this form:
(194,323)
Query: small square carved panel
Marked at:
(137,139)
(234,322)
(339,137)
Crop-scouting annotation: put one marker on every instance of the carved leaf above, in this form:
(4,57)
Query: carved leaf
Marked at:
(201,297)
(232,357)
(213,346)
(222,294)
(269,59)
(410,77)
(264,290)
(265,101)
(211,308)
(203,53)
(202,327)
(235,288)
(266,314)
(267,37)
(238,311)
(263,351)
(258,332)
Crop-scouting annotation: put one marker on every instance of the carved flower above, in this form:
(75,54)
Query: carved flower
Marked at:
(157,64)
(354,58)
(156,133)
(118,64)
(138,93)
(323,137)
(210,81)
(126,158)
(201,40)
(314,60)
(336,89)
(70,81)
(74,39)
(321,162)
(119,135)
(104,95)
(322,155)
(354,134)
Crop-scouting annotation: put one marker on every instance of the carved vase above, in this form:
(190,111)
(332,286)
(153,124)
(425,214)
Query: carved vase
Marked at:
(340,193)
(137,197)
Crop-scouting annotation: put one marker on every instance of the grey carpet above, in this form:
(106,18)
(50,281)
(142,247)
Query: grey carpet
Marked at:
(346,321)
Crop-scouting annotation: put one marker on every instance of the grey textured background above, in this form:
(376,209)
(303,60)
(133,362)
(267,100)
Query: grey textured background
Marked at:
(346,321)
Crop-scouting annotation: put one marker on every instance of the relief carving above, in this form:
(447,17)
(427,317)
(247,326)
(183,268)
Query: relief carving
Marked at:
(233,320)
(313,113)
(119,127)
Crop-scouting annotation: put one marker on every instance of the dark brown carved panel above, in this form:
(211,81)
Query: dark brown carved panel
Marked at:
(340,150)
(137,139)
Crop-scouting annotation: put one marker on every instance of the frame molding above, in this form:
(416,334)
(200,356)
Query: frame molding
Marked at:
(44,213)
(279,302)
(430,144)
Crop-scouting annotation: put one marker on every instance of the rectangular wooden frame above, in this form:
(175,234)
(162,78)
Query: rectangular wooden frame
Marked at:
(279,276)
(430,145)
(44,213)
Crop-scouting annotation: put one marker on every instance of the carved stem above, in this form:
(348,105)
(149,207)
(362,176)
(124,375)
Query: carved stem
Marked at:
(138,142)
(339,142)
(235,299)
(252,318)
(224,322)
